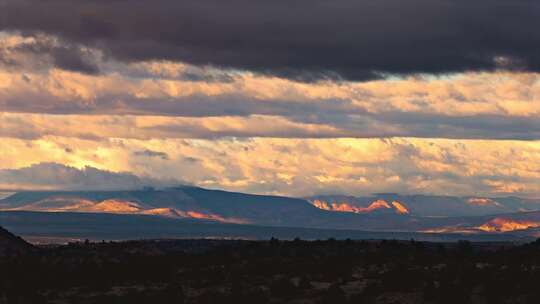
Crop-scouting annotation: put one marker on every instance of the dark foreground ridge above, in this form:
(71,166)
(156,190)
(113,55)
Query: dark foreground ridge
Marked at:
(219,271)
(12,246)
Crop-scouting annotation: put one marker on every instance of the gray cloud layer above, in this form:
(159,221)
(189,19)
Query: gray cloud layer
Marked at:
(300,39)
(339,117)
(57,176)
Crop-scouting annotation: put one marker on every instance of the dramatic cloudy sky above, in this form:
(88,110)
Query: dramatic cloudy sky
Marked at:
(294,97)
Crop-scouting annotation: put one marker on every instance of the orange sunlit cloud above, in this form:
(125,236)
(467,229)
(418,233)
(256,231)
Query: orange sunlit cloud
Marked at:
(454,134)
(269,165)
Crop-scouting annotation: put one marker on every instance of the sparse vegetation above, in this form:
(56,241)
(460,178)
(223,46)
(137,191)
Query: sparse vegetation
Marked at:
(332,271)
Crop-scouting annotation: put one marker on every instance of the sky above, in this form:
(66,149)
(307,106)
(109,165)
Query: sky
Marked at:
(291,97)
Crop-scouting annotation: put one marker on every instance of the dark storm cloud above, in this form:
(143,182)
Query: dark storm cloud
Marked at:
(299,39)
(46,52)
(67,56)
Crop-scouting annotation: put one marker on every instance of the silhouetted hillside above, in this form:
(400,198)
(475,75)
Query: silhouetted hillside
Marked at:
(11,245)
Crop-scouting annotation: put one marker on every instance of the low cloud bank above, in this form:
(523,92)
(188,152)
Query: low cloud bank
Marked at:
(57,176)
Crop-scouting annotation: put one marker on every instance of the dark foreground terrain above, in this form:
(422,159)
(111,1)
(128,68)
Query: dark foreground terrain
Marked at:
(213,271)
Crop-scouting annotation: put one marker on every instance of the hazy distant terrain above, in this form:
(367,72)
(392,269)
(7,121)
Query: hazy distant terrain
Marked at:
(44,227)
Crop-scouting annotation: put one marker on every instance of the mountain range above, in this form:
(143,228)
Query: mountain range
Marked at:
(200,208)
(431,205)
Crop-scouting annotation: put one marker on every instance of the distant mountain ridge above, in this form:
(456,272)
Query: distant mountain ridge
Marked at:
(375,206)
(204,204)
(432,205)
(184,201)
(381,213)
